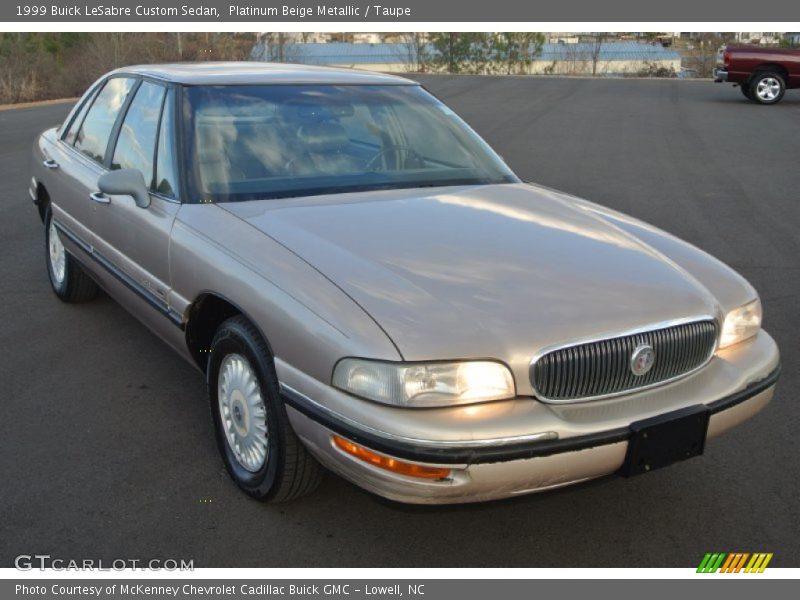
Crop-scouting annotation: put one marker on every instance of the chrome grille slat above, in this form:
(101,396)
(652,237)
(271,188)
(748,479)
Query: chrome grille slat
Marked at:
(602,368)
(595,357)
(619,362)
(586,357)
(616,350)
(682,357)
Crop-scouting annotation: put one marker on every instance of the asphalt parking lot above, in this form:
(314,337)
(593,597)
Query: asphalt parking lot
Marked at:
(106,445)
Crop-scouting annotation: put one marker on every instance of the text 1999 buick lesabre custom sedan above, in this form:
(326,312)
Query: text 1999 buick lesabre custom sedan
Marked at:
(366,285)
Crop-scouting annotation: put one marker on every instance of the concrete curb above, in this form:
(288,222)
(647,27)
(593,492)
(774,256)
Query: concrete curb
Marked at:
(35,104)
(523,76)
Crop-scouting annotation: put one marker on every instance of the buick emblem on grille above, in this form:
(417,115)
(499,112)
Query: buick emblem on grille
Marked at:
(642,359)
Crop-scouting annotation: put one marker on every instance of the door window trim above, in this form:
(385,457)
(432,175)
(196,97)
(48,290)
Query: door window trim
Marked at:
(136,81)
(93,97)
(114,136)
(111,144)
(90,97)
(86,101)
(105,165)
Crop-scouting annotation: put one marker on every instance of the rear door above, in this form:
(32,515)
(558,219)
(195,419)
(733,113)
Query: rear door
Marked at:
(76,159)
(134,241)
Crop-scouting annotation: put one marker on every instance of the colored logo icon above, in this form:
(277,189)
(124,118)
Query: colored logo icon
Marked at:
(737,562)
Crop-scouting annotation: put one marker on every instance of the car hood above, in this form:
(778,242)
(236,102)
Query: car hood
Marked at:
(500,271)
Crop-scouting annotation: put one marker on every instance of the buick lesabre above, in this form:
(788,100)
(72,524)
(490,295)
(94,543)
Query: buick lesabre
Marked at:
(367,286)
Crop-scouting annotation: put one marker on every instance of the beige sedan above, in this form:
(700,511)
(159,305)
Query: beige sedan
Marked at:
(367,286)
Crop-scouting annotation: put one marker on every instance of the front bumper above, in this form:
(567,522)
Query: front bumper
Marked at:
(552,446)
(720,75)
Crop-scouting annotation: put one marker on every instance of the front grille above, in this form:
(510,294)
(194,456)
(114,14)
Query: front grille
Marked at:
(603,368)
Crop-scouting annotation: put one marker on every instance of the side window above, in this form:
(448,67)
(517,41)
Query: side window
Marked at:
(136,144)
(166,182)
(72,133)
(92,138)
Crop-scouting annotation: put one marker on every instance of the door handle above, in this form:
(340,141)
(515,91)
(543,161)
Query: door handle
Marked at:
(50,163)
(100,198)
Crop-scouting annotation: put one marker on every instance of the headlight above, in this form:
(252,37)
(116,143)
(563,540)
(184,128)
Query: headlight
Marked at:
(424,384)
(740,324)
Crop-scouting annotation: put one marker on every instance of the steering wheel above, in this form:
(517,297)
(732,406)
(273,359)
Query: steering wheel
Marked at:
(372,163)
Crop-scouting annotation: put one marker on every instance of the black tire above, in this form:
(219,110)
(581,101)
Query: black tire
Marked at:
(289,471)
(745,87)
(761,80)
(75,285)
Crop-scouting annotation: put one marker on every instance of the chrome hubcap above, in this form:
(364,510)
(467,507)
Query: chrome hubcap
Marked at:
(58,257)
(243,412)
(768,88)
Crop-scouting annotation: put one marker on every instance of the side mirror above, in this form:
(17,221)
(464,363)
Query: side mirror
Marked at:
(125,182)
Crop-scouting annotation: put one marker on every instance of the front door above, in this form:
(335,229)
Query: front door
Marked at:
(134,241)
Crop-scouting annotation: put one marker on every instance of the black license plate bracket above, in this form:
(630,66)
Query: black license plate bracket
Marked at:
(666,439)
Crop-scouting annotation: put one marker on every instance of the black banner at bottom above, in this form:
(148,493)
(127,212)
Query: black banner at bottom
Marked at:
(733,586)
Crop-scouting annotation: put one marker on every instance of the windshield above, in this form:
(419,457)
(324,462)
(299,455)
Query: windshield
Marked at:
(278,141)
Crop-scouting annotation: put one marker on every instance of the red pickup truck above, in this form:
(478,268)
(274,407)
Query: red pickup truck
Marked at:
(763,74)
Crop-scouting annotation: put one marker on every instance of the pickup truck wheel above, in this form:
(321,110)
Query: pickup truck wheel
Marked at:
(767,87)
(67,278)
(746,91)
(258,446)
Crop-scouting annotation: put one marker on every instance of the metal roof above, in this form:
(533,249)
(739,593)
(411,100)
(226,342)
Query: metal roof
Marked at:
(339,53)
(247,73)
(609,51)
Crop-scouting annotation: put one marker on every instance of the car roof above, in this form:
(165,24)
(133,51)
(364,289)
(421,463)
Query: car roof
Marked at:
(250,73)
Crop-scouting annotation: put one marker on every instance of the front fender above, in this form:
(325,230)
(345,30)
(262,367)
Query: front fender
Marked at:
(309,322)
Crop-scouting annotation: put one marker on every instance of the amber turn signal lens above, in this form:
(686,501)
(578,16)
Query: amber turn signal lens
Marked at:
(390,464)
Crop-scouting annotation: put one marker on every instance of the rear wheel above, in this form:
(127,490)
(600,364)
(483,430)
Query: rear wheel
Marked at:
(67,278)
(258,446)
(767,87)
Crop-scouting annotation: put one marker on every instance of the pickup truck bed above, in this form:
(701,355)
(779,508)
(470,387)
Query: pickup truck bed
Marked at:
(764,74)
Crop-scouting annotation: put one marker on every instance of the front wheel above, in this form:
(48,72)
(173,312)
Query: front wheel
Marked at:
(258,446)
(746,91)
(767,87)
(67,278)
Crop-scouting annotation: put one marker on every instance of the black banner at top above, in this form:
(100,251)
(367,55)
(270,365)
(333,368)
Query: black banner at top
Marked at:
(409,11)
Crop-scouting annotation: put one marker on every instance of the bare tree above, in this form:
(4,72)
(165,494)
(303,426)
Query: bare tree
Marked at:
(107,51)
(573,57)
(596,50)
(275,47)
(415,53)
(512,52)
(19,80)
(702,53)
(39,66)
(460,52)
